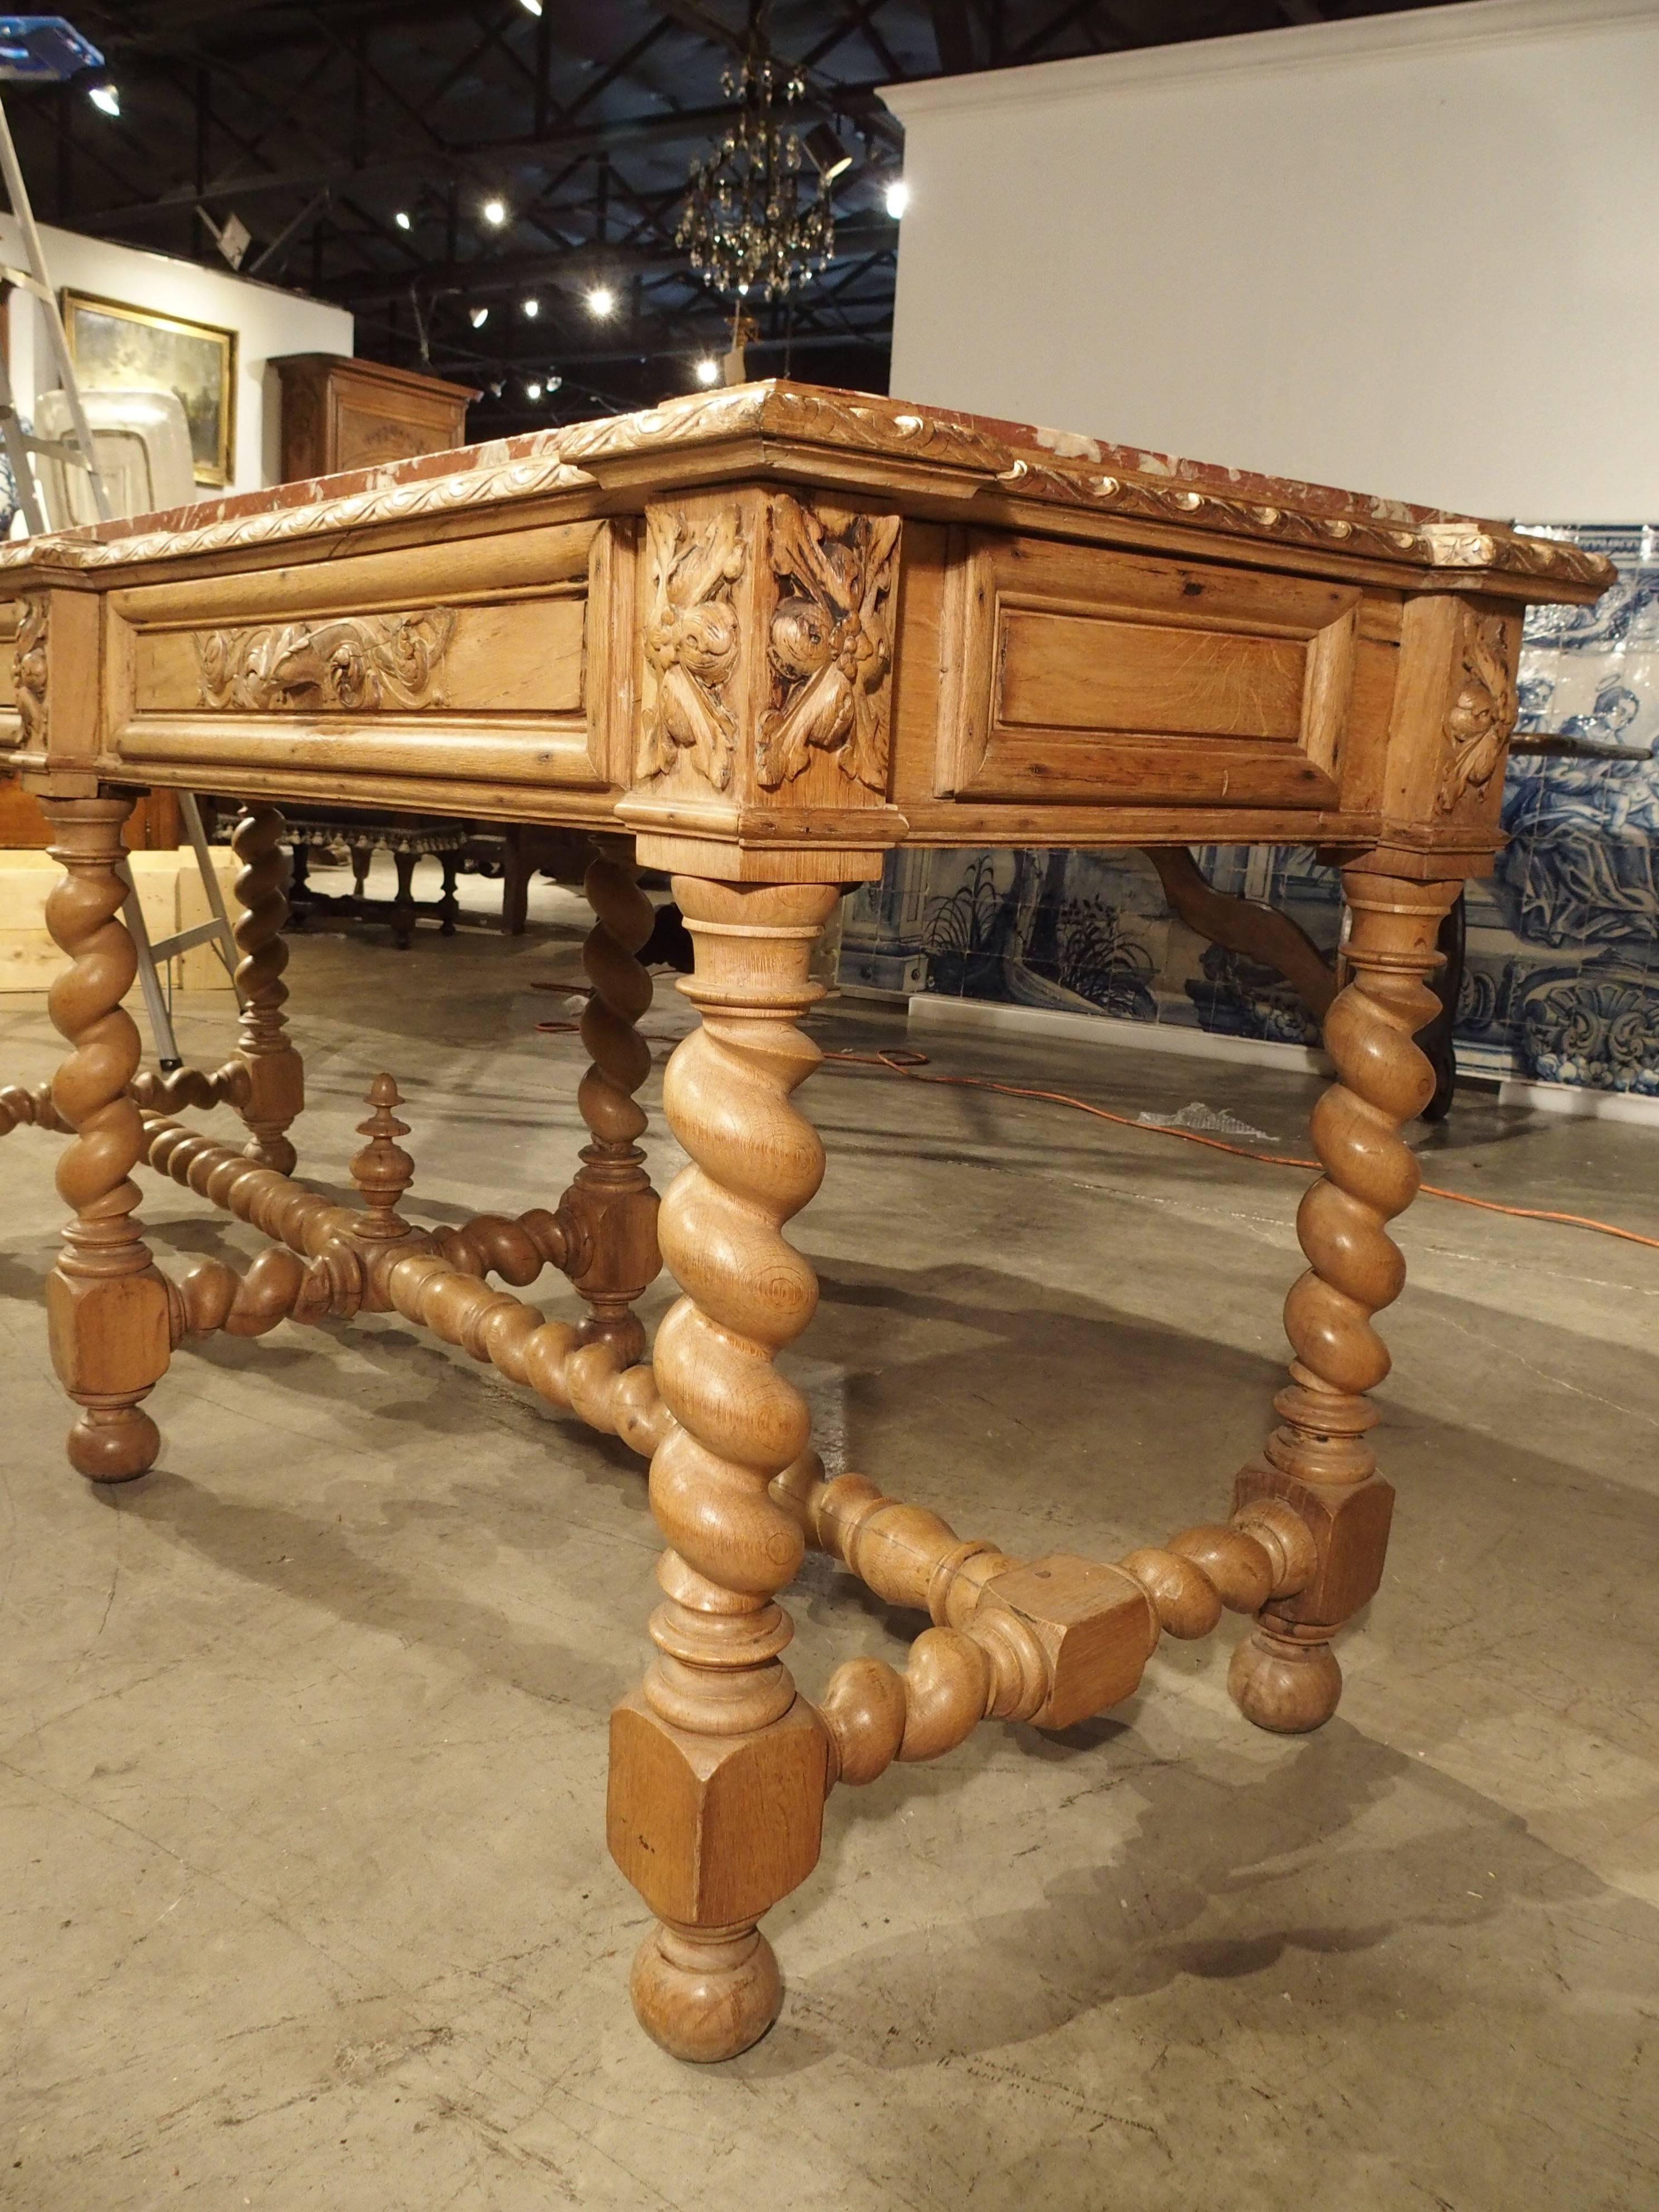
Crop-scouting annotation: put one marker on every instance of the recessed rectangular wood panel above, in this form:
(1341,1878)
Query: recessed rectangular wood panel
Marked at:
(1074,673)
(11,724)
(364,437)
(522,656)
(1079,672)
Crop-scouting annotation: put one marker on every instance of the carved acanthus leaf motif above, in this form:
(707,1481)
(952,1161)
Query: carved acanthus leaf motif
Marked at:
(29,673)
(351,663)
(831,646)
(1480,717)
(691,643)
(388,500)
(1052,470)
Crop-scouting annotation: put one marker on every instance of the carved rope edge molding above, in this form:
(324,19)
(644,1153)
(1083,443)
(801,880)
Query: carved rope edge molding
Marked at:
(477,487)
(357,664)
(868,425)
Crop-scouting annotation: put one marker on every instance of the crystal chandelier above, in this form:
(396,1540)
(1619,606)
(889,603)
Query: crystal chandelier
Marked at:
(752,222)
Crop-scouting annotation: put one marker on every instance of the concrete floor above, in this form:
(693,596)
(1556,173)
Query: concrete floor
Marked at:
(301,1870)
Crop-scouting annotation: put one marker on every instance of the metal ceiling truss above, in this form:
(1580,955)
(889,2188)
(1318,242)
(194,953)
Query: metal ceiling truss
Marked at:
(320,123)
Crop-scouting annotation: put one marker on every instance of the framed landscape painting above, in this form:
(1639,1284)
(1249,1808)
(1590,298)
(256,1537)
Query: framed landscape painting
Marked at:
(116,347)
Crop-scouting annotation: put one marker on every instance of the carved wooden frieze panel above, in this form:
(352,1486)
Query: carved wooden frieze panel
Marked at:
(29,672)
(693,635)
(829,645)
(1075,674)
(1482,712)
(354,663)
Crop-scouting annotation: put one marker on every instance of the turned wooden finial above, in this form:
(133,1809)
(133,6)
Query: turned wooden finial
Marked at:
(383,1171)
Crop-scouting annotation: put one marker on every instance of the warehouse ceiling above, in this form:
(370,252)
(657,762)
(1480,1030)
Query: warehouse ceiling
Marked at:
(360,143)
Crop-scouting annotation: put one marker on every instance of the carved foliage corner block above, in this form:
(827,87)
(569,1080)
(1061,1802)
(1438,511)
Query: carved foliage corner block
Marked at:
(29,672)
(692,633)
(830,645)
(361,664)
(767,648)
(1482,710)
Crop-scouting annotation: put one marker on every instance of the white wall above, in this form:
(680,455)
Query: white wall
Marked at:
(1414,254)
(267,321)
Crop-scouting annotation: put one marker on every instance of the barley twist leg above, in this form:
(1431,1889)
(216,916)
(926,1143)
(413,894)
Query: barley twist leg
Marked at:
(107,1304)
(1284,1676)
(718,1769)
(611,1209)
(275,1090)
(277,1286)
(27,1102)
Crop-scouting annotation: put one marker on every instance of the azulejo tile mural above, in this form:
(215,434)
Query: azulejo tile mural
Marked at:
(1562,980)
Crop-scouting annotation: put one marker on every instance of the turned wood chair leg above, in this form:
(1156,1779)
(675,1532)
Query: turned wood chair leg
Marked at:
(107,1304)
(516,873)
(449,907)
(610,1206)
(403,903)
(276,1075)
(718,1769)
(1284,1675)
(300,894)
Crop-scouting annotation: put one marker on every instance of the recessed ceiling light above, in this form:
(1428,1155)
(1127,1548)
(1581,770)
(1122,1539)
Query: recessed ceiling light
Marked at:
(600,301)
(532,390)
(478,317)
(532,308)
(708,370)
(105,96)
(897,197)
(402,220)
(495,211)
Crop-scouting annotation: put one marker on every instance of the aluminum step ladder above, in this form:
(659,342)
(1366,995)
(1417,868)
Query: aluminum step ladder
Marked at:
(78,449)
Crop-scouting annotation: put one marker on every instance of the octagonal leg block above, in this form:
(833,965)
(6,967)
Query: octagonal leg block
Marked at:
(110,1346)
(712,1830)
(1284,1676)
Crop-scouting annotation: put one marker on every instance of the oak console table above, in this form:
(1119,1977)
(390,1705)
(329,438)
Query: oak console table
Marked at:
(766,635)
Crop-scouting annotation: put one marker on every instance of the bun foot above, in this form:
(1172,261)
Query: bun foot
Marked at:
(1283,1685)
(705,1994)
(113,1443)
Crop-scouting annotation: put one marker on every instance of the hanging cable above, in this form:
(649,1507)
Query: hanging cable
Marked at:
(905,1061)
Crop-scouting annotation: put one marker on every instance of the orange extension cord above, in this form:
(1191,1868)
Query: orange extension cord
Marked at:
(902,1061)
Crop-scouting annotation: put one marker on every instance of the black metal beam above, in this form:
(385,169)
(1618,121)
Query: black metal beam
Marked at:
(489,276)
(953,34)
(461,163)
(861,100)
